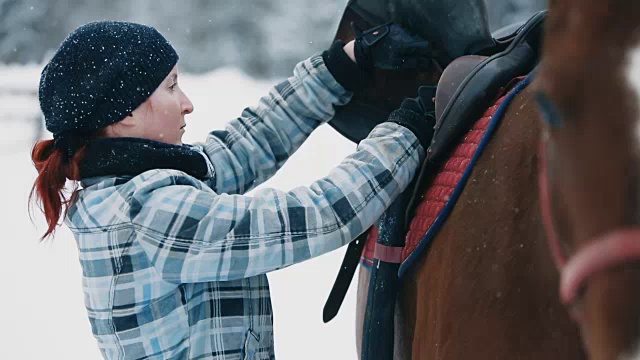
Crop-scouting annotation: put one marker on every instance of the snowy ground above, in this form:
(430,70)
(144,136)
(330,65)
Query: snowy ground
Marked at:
(41,308)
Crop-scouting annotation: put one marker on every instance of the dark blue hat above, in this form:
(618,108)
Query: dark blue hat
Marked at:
(101,73)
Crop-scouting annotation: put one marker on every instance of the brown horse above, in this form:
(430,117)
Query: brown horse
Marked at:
(489,286)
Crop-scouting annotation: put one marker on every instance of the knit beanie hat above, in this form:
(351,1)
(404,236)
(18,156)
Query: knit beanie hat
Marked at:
(101,73)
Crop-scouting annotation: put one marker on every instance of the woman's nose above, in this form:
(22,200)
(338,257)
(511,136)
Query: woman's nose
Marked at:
(187,106)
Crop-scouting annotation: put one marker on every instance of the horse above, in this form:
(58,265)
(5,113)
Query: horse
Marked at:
(539,257)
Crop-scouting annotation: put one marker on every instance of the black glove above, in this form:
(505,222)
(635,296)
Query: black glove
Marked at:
(390,47)
(344,70)
(424,103)
(418,115)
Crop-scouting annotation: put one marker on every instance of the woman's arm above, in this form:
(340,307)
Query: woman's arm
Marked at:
(192,234)
(255,145)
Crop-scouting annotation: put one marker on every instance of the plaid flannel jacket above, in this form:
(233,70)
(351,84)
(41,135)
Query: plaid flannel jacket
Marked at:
(174,267)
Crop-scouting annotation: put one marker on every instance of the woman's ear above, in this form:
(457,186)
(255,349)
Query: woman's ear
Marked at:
(123,128)
(129,120)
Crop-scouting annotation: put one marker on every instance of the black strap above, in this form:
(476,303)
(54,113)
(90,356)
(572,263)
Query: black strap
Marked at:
(345,275)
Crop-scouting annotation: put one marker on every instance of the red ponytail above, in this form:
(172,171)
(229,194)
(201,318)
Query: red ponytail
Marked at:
(49,187)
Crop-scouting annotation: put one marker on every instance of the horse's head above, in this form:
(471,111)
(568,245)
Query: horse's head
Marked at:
(589,95)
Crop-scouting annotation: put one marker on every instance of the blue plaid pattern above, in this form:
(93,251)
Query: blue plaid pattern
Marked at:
(174,267)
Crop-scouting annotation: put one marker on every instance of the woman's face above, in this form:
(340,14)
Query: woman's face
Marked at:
(161,117)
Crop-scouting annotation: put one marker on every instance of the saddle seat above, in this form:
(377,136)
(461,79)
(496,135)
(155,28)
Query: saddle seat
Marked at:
(469,84)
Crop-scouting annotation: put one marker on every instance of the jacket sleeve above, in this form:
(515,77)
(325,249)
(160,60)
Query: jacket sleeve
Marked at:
(254,146)
(192,234)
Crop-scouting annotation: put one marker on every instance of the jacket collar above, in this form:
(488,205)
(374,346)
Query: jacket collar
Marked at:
(129,157)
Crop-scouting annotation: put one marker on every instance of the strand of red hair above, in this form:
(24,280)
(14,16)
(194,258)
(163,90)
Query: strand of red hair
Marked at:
(49,189)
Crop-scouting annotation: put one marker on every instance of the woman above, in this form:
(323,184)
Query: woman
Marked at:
(173,255)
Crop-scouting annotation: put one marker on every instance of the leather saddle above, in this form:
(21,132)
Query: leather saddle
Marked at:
(466,88)
(469,84)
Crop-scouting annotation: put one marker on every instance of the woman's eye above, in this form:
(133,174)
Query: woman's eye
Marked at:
(173,86)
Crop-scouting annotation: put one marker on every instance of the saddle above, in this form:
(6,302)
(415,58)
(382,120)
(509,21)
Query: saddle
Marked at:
(468,85)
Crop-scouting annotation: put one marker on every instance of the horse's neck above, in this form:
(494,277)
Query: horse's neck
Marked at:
(506,177)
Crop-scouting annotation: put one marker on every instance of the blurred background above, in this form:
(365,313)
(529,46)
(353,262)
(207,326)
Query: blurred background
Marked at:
(231,53)
(263,38)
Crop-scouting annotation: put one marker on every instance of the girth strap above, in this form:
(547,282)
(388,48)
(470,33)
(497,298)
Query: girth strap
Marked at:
(389,254)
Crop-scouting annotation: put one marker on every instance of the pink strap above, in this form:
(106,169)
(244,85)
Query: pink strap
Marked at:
(613,249)
(545,208)
(389,254)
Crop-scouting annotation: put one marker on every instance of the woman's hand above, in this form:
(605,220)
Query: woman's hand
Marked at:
(418,115)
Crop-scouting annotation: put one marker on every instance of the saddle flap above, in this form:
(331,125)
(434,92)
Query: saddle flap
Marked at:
(451,79)
(474,81)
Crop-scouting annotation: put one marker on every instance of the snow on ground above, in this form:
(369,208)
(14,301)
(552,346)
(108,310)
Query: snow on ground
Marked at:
(41,305)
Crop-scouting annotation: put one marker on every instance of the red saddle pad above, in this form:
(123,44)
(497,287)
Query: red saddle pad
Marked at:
(439,192)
